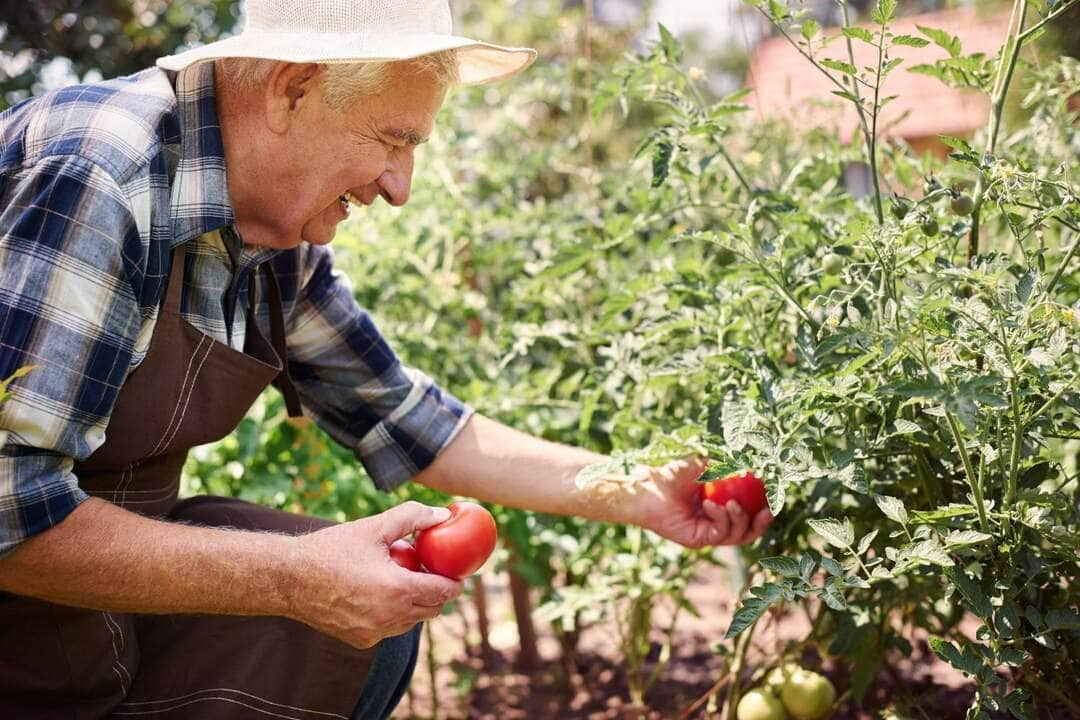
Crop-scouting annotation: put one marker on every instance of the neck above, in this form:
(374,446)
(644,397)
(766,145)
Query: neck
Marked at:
(246,148)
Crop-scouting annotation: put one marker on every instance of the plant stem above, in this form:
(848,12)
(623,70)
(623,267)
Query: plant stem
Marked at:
(997,105)
(973,480)
(870,135)
(1046,405)
(1049,18)
(1061,268)
(1017,444)
(736,668)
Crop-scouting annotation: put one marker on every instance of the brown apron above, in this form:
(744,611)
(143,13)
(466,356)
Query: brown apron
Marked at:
(77,664)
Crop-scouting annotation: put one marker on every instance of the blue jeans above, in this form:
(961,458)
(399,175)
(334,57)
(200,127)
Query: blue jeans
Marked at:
(389,676)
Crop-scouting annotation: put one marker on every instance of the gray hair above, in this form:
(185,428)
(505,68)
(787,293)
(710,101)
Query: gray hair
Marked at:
(345,83)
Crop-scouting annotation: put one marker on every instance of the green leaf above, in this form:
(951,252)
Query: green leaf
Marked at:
(906,427)
(955,143)
(931,552)
(840,66)
(883,13)
(859,33)
(1058,619)
(778,10)
(951,654)
(837,533)
(832,567)
(853,477)
(669,45)
(747,615)
(661,164)
(810,28)
(783,566)
(892,508)
(950,43)
(910,41)
(834,598)
(966,537)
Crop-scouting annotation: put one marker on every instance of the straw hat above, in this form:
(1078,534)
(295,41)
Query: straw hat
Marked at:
(346,31)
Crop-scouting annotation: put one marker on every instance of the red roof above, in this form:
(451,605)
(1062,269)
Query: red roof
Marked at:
(787,86)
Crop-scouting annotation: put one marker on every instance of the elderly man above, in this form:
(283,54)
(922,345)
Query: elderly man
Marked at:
(163,258)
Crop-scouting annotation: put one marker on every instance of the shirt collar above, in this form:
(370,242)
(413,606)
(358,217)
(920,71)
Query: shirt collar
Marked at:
(200,199)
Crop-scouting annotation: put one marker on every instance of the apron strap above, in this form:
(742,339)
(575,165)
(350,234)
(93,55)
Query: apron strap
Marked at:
(282,382)
(175,283)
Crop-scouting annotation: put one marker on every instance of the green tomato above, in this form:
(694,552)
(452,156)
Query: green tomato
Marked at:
(900,207)
(832,263)
(760,704)
(962,204)
(779,675)
(929,226)
(807,695)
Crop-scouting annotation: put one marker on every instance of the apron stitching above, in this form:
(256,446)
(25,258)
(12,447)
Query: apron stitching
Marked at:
(190,698)
(125,481)
(187,401)
(116,653)
(182,386)
(212,697)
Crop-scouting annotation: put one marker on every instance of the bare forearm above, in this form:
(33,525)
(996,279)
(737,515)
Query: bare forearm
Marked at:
(495,463)
(106,558)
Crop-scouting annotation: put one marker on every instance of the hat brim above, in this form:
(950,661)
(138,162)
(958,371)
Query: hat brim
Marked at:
(478,62)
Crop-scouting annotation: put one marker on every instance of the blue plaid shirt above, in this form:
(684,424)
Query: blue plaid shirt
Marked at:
(97,184)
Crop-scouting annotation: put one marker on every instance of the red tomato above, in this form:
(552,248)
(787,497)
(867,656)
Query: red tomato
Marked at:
(746,489)
(457,547)
(404,554)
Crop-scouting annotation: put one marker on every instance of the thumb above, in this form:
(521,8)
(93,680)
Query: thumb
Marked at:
(407,518)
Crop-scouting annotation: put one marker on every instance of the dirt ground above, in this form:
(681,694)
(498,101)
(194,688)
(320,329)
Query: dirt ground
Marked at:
(468,687)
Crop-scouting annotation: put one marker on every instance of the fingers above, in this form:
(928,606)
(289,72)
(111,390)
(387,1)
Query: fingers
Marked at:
(721,520)
(758,526)
(430,590)
(732,526)
(740,521)
(407,518)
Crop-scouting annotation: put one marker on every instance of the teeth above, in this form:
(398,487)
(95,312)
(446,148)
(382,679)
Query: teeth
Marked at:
(349,199)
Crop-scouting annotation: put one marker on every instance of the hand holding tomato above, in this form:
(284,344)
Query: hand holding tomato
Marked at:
(672,503)
(345,582)
(746,489)
(458,547)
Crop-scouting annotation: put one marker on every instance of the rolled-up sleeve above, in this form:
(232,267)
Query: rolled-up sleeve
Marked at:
(68,249)
(395,418)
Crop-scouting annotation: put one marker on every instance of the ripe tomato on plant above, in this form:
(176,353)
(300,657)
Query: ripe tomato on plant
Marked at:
(457,547)
(746,489)
(404,554)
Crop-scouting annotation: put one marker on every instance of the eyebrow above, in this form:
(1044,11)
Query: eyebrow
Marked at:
(408,135)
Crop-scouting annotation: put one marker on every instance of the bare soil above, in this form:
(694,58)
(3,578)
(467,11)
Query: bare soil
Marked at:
(919,687)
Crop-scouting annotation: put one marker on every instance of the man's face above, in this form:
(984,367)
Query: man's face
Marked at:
(329,157)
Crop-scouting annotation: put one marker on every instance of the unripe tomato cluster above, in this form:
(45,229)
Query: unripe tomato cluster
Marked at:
(788,692)
(454,548)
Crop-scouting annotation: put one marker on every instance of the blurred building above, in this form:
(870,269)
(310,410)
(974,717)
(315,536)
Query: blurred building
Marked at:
(787,86)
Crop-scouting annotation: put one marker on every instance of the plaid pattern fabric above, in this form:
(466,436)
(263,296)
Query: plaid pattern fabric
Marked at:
(97,184)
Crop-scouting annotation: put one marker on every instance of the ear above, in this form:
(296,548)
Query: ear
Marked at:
(287,88)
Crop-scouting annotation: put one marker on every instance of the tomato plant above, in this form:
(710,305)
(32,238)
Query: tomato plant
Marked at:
(911,404)
(458,546)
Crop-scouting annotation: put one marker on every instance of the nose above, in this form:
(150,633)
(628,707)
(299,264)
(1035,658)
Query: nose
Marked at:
(395,183)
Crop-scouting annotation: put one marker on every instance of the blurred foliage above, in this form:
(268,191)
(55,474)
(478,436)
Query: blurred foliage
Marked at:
(100,38)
